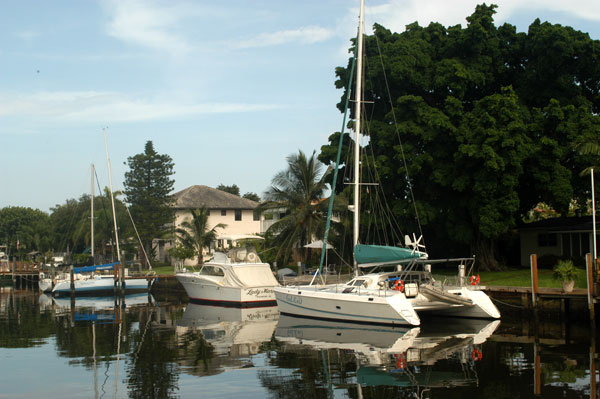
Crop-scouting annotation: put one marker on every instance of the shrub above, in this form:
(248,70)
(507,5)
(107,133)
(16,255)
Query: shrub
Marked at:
(565,270)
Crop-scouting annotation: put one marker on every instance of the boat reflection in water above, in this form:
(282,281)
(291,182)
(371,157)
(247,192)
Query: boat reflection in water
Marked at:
(99,303)
(221,337)
(437,354)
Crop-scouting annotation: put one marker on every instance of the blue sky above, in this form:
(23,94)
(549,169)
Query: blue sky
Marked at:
(228,89)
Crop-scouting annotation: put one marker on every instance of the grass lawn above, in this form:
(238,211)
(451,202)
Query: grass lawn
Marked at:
(163,270)
(522,278)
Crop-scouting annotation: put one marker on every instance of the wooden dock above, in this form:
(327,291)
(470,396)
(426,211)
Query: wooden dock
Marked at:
(22,274)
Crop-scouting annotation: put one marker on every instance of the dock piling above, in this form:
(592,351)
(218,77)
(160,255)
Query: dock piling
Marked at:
(534,279)
(589,268)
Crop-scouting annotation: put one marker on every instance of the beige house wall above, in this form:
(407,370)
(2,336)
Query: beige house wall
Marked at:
(233,227)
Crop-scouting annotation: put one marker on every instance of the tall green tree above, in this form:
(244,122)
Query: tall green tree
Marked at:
(299,191)
(251,196)
(196,234)
(30,227)
(148,186)
(481,123)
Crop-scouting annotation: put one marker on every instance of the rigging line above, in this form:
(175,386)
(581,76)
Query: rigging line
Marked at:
(105,216)
(408,180)
(337,163)
(385,208)
(138,237)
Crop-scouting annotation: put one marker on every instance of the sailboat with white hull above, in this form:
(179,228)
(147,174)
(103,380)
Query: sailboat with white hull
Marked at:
(90,280)
(397,297)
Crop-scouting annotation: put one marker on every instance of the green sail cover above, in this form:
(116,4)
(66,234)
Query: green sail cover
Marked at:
(383,254)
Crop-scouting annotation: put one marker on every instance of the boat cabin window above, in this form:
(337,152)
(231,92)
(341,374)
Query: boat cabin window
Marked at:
(358,282)
(212,271)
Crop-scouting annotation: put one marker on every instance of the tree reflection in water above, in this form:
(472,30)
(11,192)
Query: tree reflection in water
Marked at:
(170,351)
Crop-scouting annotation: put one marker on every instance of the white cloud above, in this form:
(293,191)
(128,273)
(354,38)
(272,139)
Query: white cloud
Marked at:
(305,35)
(103,107)
(148,24)
(396,14)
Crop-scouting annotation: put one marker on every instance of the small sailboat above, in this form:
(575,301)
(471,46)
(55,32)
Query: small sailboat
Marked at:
(90,280)
(396,297)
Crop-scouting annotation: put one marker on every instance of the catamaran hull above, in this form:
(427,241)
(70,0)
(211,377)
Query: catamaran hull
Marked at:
(482,307)
(99,286)
(207,293)
(337,306)
(379,307)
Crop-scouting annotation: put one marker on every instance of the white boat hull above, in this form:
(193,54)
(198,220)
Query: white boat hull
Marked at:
(45,284)
(377,306)
(326,305)
(98,285)
(207,292)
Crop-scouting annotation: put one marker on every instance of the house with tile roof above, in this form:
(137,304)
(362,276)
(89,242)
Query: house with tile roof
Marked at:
(237,213)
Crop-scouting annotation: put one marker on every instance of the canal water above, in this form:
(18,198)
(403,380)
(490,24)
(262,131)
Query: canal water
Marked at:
(158,348)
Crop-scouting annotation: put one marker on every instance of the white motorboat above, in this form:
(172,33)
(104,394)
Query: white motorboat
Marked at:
(235,279)
(396,297)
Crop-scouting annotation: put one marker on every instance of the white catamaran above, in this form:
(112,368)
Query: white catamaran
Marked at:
(396,297)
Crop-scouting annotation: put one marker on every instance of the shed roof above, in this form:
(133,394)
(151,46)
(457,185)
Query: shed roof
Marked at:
(203,196)
(582,223)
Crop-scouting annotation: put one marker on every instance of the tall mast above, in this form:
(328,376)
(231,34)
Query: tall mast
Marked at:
(112,199)
(357,136)
(92,217)
(595,254)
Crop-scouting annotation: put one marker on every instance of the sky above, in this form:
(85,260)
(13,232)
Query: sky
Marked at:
(228,89)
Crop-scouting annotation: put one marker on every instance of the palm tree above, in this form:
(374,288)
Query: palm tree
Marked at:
(590,148)
(196,235)
(299,190)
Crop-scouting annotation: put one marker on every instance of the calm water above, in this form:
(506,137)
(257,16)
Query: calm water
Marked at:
(163,350)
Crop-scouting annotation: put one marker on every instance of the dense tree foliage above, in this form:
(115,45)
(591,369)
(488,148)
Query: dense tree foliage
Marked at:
(30,227)
(488,120)
(71,229)
(148,185)
(251,196)
(233,189)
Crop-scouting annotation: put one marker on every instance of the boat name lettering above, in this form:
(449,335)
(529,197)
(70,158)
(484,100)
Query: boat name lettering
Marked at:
(294,299)
(259,291)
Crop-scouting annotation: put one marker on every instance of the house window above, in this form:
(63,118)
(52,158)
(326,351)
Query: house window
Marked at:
(238,215)
(223,212)
(208,212)
(575,244)
(547,240)
(566,244)
(255,216)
